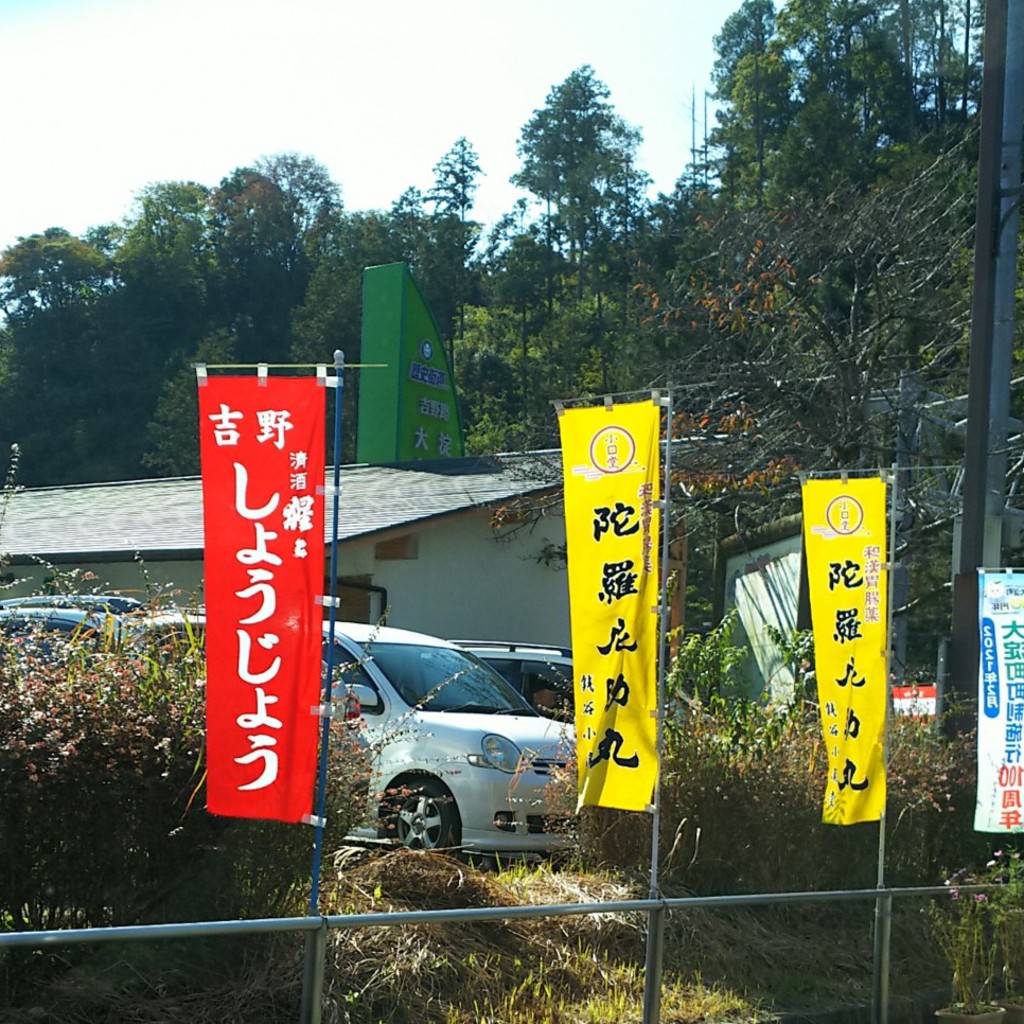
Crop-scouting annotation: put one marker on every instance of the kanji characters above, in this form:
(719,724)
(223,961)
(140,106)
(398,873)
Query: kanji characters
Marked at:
(224,422)
(608,749)
(617,519)
(846,574)
(617,580)
(619,639)
(274,424)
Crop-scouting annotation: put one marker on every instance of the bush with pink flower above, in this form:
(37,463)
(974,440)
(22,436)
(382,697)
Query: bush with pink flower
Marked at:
(963,929)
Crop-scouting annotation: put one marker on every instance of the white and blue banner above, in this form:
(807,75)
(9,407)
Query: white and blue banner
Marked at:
(1000,799)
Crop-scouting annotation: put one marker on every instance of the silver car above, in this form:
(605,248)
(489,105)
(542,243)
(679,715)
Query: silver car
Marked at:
(459,758)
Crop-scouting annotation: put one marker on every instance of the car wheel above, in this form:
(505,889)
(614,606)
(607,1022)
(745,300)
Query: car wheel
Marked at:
(421,815)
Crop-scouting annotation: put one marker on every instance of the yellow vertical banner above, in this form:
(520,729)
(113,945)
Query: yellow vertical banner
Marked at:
(846,555)
(610,465)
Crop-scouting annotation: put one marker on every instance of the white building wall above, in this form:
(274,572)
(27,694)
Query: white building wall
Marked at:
(468,584)
(763,584)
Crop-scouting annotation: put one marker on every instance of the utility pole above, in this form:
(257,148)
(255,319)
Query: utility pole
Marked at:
(909,399)
(995,248)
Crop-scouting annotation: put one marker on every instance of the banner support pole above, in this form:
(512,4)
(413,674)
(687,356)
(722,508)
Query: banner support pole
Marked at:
(883,904)
(312,985)
(656,917)
(325,729)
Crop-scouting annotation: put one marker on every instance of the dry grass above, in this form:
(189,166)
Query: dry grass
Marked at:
(581,969)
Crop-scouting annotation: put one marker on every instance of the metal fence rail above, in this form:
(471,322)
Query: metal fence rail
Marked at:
(178,930)
(316,928)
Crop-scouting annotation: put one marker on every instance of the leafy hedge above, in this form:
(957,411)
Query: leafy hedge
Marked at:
(102,818)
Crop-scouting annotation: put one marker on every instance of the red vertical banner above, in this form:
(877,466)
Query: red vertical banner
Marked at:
(261,443)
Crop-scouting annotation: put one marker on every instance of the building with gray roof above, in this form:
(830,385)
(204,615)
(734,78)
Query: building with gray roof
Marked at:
(454,547)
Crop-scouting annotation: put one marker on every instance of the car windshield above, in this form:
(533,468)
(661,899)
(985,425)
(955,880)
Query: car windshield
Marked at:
(446,679)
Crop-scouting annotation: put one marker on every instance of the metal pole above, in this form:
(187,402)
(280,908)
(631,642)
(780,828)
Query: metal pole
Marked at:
(883,931)
(883,905)
(906,429)
(964,635)
(1005,273)
(313,975)
(656,916)
(313,972)
(325,729)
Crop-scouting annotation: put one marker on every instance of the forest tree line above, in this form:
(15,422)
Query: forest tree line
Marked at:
(816,247)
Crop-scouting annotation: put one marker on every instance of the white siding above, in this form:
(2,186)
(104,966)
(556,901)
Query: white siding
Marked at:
(466,583)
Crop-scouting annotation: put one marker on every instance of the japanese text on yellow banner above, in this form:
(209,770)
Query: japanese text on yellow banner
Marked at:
(845,547)
(610,460)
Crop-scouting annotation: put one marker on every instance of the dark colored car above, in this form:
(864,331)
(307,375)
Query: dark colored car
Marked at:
(541,673)
(103,619)
(114,603)
(41,629)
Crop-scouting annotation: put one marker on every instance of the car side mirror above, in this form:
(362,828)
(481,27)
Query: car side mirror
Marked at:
(361,699)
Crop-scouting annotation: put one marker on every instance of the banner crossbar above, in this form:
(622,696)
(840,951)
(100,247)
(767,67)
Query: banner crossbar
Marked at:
(884,474)
(202,368)
(609,399)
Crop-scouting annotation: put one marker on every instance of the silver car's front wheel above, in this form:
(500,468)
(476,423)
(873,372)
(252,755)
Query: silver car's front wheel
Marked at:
(421,815)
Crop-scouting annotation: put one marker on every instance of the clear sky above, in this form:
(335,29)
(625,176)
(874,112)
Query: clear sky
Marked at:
(103,97)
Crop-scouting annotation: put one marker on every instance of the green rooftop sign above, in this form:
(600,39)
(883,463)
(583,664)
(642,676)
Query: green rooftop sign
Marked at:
(407,412)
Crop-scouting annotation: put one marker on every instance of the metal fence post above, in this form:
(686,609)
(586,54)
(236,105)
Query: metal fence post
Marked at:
(313,975)
(880,979)
(654,958)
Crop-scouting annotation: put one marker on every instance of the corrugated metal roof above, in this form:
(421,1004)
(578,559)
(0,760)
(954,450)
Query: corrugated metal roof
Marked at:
(166,515)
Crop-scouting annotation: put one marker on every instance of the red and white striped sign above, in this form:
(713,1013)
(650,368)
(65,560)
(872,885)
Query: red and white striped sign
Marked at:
(262,456)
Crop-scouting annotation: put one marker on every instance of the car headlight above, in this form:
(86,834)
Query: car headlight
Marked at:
(497,752)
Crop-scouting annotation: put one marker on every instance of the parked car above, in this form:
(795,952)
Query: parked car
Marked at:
(38,625)
(116,603)
(106,620)
(542,674)
(459,758)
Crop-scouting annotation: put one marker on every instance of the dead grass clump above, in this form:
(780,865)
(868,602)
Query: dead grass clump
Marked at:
(620,936)
(412,879)
(801,956)
(442,971)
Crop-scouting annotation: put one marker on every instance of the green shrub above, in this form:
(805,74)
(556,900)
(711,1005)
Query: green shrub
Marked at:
(102,817)
(99,757)
(742,786)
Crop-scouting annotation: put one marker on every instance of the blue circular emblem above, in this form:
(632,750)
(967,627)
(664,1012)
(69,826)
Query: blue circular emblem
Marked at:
(426,349)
